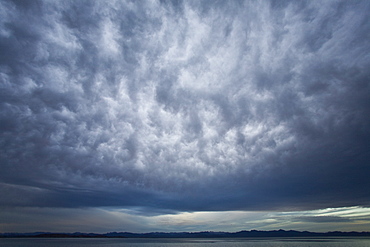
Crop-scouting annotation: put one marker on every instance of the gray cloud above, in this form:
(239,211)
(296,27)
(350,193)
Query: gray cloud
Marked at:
(189,106)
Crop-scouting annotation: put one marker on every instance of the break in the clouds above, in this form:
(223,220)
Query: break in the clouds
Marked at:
(172,106)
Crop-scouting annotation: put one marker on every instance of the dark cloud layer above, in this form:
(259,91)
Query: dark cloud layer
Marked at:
(185,106)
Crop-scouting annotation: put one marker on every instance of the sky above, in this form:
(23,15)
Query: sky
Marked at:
(177,116)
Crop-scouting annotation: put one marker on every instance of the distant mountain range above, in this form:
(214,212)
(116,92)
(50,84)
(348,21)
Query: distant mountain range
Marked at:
(205,234)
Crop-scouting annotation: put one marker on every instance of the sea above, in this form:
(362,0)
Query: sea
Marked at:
(185,242)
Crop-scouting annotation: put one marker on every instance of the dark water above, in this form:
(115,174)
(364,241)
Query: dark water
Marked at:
(270,242)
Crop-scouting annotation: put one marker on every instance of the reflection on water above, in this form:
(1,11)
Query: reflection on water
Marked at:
(186,242)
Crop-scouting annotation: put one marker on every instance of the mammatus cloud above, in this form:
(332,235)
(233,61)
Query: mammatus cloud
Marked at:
(186,106)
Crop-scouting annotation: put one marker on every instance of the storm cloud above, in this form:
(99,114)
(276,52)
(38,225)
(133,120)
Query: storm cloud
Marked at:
(172,106)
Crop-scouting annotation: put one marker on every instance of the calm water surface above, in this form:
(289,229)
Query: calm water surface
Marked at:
(132,242)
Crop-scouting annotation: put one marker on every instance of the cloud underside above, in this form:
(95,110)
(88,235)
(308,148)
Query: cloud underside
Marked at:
(191,106)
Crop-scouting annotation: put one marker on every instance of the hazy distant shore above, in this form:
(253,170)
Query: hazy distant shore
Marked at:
(205,234)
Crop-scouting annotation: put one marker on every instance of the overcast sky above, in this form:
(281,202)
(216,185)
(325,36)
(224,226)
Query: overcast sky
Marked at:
(184,115)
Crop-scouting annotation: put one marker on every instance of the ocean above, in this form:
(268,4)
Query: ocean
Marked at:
(185,242)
